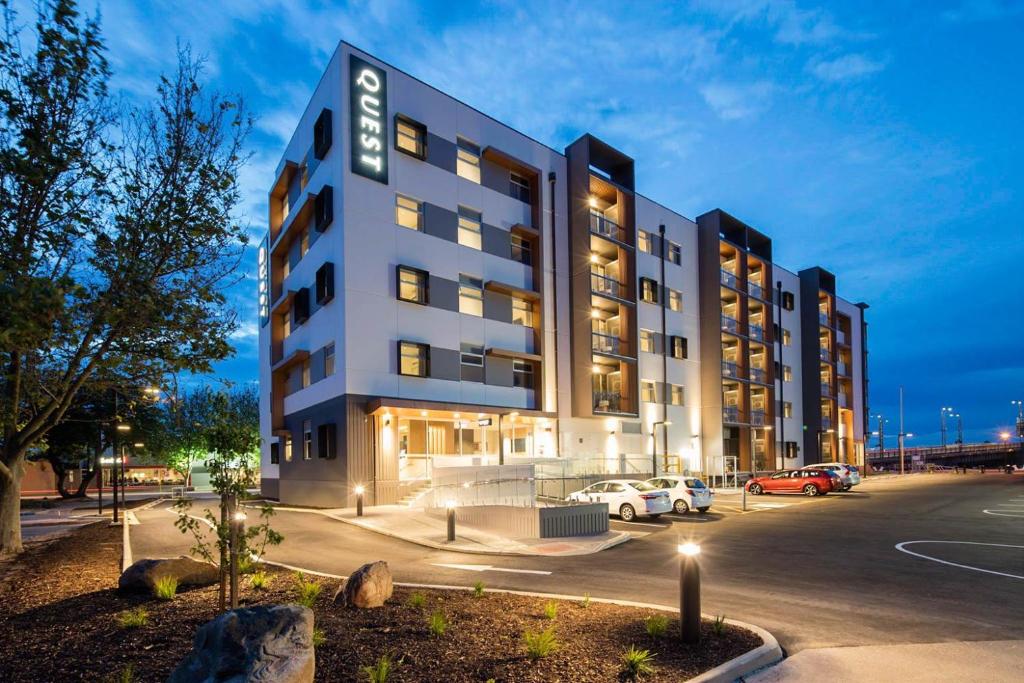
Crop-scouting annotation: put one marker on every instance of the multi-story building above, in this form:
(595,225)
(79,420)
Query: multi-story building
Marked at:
(439,289)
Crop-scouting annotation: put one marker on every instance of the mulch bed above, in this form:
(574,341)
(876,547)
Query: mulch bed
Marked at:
(58,622)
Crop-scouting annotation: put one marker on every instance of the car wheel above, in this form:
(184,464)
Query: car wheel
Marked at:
(848,487)
(703,510)
(627,513)
(810,490)
(681,507)
(756,489)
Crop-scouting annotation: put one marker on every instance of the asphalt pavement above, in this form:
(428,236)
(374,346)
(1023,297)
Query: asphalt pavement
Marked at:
(920,559)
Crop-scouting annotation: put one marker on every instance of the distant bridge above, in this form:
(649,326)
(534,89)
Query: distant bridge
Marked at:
(955,455)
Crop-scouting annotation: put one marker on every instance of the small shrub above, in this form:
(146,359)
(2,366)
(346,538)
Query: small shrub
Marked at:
(165,588)
(134,618)
(478,589)
(379,672)
(657,625)
(125,675)
(585,602)
(259,580)
(417,600)
(551,610)
(318,637)
(308,591)
(718,627)
(540,645)
(438,624)
(246,565)
(636,663)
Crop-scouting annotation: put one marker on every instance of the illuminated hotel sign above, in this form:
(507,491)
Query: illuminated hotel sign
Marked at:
(264,277)
(368,96)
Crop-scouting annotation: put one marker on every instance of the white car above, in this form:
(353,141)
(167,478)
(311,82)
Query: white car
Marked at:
(627,498)
(687,493)
(848,475)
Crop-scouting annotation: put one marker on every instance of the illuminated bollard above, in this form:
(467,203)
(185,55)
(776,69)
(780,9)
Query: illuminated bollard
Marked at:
(689,593)
(450,505)
(359,500)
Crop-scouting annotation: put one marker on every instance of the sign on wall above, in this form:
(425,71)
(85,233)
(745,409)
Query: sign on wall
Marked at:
(368,96)
(264,278)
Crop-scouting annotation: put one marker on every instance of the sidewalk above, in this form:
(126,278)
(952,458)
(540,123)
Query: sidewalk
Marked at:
(994,661)
(415,526)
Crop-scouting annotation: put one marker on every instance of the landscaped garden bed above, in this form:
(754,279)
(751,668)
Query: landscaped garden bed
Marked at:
(61,619)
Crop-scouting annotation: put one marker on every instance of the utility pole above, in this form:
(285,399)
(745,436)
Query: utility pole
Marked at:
(960,431)
(901,435)
(1020,421)
(881,434)
(664,352)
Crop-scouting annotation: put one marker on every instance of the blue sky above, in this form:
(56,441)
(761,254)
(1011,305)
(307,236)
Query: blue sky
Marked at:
(879,140)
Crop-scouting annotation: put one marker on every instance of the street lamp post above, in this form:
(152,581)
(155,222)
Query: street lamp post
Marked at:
(689,593)
(1020,420)
(237,520)
(942,423)
(960,431)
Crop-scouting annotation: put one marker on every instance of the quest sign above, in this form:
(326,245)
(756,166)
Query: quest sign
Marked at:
(264,286)
(368,95)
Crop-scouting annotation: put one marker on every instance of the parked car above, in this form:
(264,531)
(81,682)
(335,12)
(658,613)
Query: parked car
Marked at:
(687,493)
(848,474)
(627,498)
(809,482)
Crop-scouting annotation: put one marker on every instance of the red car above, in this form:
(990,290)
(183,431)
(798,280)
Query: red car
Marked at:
(808,482)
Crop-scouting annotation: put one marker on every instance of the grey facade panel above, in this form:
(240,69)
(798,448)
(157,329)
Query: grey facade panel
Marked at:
(314,469)
(444,364)
(269,488)
(496,241)
(444,293)
(497,306)
(441,152)
(316,365)
(498,371)
(440,222)
(494,176)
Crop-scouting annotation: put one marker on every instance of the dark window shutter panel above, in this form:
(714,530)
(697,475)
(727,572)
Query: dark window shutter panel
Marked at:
(324,208)
(322,134)
(300,306)
(327,441)
(275,453)
(787,301)
(325,283)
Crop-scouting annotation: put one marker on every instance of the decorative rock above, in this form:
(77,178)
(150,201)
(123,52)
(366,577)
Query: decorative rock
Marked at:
(254,645)
(369,586)
(189,572)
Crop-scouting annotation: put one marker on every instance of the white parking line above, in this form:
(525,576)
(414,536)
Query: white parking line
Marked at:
(619,521)
(1016,513)
(902,549)
(489,568)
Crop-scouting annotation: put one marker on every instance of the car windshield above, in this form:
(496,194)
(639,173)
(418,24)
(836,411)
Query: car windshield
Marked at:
(695,484)
(642,486)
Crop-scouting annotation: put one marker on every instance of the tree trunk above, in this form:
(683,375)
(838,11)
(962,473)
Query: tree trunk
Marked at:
(10,511)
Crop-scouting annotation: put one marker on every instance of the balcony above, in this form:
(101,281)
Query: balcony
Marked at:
(729,279)
(843,369)
(826,390)
(844,400)
(757,418)
(608,402)
(757,291)
(602,284)
(730,324)
(606,343)
(730,369)
(826,422)
(823,319)
(758,375)
(731,414)
(756,332)
(825,354)
(842,338)
(600,225)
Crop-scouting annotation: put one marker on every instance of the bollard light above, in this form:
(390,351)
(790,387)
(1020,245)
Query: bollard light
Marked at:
(359,500)
(689,593)
(450,505)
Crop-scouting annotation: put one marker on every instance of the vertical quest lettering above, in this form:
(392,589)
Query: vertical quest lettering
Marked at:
(368,93)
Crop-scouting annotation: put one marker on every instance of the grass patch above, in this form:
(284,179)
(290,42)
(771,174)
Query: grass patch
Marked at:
(540,645)
(165,588)
(417,600)
(657,625)
(133,618)
(318,637)
(550,610)
(379,672)
(478,589)
(718,627)
(437,624)
(308,590)
(636,663)
(259,580)
(585,602)
(125,675)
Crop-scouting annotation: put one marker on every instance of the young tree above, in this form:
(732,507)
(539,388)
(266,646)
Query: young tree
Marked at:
(111,256)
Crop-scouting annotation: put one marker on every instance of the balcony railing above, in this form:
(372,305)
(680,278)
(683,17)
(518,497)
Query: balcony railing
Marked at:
(730,324)
(605,343)
(730,369)
(756,332)
(823,319)
(607,402)
(731,414)
(825,353)
(608,228)
(842,337)
(757,417)
(756,290)
(602,284)
(758,375)
(843,369)
(826,389)
(729,278)
(826,422)
(844,400)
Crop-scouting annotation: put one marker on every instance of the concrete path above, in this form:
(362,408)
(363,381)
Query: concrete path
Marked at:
(992,661)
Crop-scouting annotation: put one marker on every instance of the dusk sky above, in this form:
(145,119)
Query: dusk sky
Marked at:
(881,141)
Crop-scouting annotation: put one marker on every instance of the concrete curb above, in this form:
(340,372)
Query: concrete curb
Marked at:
(766,654)
(126,540)
(611,542)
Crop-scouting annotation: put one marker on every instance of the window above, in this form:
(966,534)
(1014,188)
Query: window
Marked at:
(287,447)
(647,341)
(410,137)
(408,212)
(325,283)
(300,306)
(788,303)
(787,338)
(522,312)
(472,360)
(675,396)
(522,374)
(522,250)
(328,360)
(322,134)
(307,440)
(519,187)
(787,409)
(787,373)
(675,300)
(643,242)
(304,243)
(413,285)
(275,453)
(286,325)
(468,160)
(413,359)
(675,253)
(323,208)
(305,374)
(791,449)
(326,438)
(471,295)
(679,348)
(648,392)
(648,290)
(469,227)
(286,267)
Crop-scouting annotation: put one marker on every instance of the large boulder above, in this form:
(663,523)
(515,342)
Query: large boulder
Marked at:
(256,644)
(369,586)
(189,572)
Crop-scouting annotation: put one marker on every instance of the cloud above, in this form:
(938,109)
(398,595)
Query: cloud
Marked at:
(849,67)
(972,11)
(734,101)
(790,24)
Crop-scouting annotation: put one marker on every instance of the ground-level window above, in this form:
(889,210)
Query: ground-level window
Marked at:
(307,440)
(286,446)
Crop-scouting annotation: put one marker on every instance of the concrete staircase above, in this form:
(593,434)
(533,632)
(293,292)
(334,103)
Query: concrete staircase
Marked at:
(414,494)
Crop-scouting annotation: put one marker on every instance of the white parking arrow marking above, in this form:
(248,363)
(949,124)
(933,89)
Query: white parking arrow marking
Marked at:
(489,568)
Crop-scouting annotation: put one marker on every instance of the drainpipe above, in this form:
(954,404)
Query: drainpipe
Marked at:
(782,373)
(554,303)
(664,353)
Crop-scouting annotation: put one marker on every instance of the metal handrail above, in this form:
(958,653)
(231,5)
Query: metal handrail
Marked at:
(602,284)
(730,324)
(729,278)
(605,343)
(608,228)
